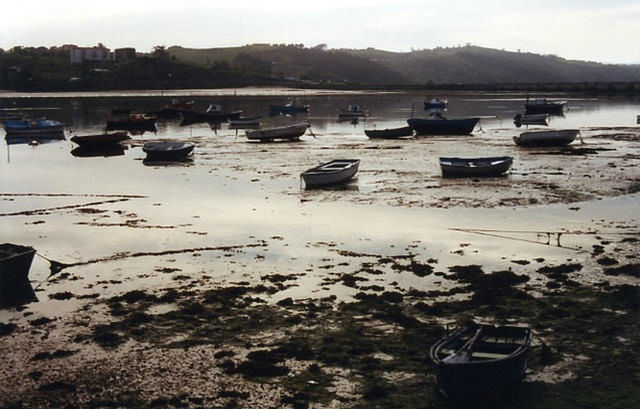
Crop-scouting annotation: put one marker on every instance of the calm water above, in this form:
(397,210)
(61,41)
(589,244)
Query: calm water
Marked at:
(239,193)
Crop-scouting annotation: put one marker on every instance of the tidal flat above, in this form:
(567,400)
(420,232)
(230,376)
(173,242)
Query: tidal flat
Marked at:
(220,283)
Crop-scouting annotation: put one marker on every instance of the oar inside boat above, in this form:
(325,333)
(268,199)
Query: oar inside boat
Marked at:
(464,354)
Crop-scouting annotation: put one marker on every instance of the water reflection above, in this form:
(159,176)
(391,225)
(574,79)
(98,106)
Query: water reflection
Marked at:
(180,162)
(34,139)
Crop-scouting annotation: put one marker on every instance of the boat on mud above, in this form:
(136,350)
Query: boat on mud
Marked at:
(352,111)
(32,127)
(475,167)
(289,132)
(167,151)
(544,106)
(443,126)
(15,262)
(335,172)
(546,138)
(101,139)
(480,360)
(392,133)
(290,108)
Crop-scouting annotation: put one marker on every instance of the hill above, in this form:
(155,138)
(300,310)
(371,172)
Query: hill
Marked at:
(478,65)
(293,61)
(467,65)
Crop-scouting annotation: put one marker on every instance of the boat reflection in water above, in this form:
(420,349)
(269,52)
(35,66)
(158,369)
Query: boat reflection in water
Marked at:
(98,151)
(34,139)
(183,162)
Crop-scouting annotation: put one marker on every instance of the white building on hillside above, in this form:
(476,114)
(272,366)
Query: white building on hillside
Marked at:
(98,53)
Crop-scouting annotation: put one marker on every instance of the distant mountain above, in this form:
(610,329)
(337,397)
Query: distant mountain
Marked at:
(467,65)
(478,65)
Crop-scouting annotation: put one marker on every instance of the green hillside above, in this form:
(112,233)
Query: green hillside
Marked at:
(293,61)
(478,65)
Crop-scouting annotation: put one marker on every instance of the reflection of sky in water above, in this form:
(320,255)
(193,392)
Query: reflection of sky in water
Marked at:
(227,194)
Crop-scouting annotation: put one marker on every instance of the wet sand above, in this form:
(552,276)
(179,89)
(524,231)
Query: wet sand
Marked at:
(220,283)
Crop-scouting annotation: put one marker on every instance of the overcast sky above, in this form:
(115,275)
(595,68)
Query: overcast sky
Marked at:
(603,31)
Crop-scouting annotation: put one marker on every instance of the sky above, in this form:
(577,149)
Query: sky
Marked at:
(602,31)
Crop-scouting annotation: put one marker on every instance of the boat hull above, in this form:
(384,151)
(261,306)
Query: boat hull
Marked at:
(15,262)
(475,167)
(443,126)
(547,108)
(33,128)
(486,376)
(167,151)
(392,133)
(292,132)
(287,109)
(335,172)
(546,138)
(100,139)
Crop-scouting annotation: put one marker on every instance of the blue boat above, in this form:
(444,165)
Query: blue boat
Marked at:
(32,127)
(443,126)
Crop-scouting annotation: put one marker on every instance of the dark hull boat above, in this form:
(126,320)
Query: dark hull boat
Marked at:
(475,167)
(442,126)
(336,172)
(167,151)
(435,103)
(101,139)
(96,151)
(542,106)
(546,138)
(480,360)
(392,133)
(15,262)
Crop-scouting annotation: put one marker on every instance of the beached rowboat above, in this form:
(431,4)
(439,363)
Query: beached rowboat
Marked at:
(480,360)
(392,133)
(546,138)
(475,167)
(167,150)
(101,139)
(331,173)
(15,262)
(290,132)
(443,126)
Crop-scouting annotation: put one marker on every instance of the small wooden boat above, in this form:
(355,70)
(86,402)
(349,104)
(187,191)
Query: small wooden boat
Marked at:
(351,112)
(532,119)
(443,126)
(392,133)
(542,105)
(290,108)
(331,173)
(480,360)
(435,103)
(245,121)
(96,151)
(475,167)
(132,121)
(15,262)
(101,139)
(290,132)
(546,138)
(33,127)
(167,150)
